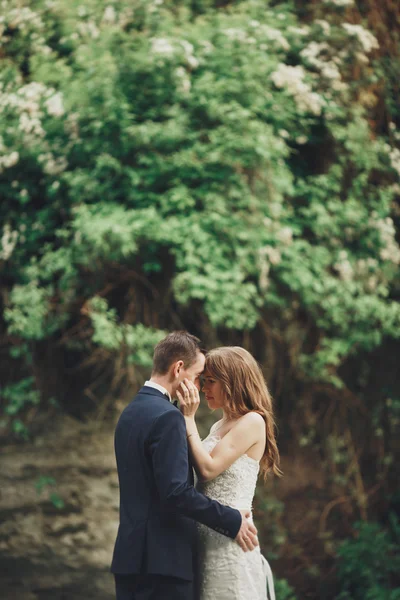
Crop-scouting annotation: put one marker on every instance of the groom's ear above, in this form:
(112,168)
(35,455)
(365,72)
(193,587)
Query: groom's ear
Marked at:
(177,368)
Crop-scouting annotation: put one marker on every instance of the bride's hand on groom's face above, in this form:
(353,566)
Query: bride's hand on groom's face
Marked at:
(189,399)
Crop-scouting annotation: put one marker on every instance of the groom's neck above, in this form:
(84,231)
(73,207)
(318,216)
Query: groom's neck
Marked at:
(162,380)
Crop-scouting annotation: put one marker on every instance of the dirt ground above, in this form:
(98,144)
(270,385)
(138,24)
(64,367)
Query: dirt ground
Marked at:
(49,553)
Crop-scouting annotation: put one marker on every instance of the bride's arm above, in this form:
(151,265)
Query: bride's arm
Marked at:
(248,431)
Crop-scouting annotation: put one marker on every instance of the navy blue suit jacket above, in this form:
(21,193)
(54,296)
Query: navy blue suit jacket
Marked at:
(158,503)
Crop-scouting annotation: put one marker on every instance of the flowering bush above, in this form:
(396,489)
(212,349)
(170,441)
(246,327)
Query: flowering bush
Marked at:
(128,132)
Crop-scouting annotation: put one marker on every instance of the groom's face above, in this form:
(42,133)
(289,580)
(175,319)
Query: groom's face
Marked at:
(213,391)
(193,373)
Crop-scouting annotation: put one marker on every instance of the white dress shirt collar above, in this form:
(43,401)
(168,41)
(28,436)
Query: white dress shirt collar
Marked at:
(158,387)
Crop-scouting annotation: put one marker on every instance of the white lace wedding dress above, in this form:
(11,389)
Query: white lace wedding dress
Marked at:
(225,571)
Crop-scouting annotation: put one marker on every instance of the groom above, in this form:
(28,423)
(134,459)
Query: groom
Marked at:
(153,554)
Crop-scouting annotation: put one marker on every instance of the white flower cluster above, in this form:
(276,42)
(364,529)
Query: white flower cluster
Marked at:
(325,26)
(28,99)
(303,30)
(367,41)
(54,105)
(109,15)
(394,155)
(340,3)
(272,255)
(395,187)
(285,235)
(276,36)
(292,78)
(30,125)
(318,55)
(387,232)
(7,160)
(52,165)
(264,32)
(300,139)
(191,60)
(271,34)
(27,22)
(267,256)
(22,18)
(8,242)
(184,80)
(154,5)
(207,47)
(393,130)
(367,270)
(88,29)
(71,126)
(126,16)
(28,102)
(343,266)
(238,35)
(162,46)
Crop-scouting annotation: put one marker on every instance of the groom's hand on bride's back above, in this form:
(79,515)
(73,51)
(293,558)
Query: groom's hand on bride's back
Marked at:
(247,536)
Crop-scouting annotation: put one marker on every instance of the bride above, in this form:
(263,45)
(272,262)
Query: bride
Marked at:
(227,462)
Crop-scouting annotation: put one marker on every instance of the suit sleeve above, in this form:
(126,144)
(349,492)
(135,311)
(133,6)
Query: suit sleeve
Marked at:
(167,444)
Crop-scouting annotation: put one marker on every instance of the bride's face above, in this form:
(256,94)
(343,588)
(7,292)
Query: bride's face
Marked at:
(213,391)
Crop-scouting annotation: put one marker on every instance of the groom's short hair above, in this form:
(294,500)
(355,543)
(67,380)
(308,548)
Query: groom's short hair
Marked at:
(178,345)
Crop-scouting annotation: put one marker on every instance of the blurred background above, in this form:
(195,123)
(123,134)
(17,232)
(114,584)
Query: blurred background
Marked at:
(227,167)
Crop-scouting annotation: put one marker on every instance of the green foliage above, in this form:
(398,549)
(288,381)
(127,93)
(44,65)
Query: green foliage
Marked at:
(45,483)
(19,394)
(107,333)
(369,565)
(29,316)
(283,590)
(272,511)
(20,429)
(17,397)
(144,134)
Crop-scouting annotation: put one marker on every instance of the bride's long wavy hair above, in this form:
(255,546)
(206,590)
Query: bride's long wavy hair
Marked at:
(245,391)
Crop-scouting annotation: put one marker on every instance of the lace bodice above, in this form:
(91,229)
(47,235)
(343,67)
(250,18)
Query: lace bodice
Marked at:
(234,487)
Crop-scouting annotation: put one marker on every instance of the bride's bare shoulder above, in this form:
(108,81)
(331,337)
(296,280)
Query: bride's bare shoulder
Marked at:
(251,426)
(252,419)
